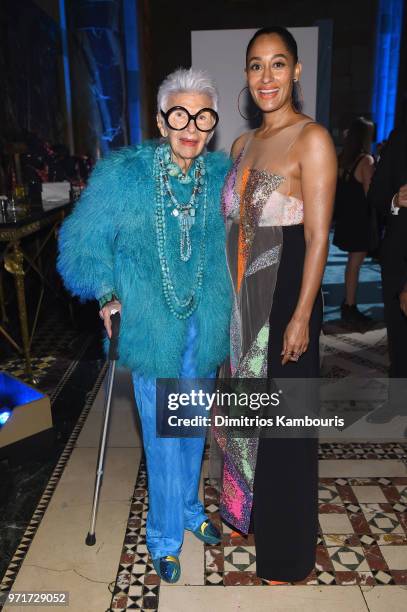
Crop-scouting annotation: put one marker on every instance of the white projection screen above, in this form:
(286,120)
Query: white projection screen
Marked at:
(222,54)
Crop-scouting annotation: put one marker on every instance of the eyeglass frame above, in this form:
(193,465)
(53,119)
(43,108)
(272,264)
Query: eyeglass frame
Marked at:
(165,114)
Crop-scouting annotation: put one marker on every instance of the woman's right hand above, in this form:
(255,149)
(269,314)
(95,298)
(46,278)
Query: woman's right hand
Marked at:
(105,314)
(401,199)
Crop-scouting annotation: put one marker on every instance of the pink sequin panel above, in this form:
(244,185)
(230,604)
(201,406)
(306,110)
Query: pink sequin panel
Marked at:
(282,210)
(229,197)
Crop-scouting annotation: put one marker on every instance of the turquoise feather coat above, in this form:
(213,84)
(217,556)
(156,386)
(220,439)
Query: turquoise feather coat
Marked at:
(108,243)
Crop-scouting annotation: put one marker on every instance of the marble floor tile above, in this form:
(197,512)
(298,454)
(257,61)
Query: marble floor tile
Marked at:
(349,578)
(374,557)
(123,430)
(335,523)
(122,396)
(323,563)
(77,482)
(192,562)
(380,521)
(84,593)
(399,577)
(385,598)
(246,578)
(240,558)
(262,599)
(395,556)
(59,544)
(396,539)
(369,468)
(402,490)
(214,559)
(328,494)
(339,539)
(346,558)
(369,494)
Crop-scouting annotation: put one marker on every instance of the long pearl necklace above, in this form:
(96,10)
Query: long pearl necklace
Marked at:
(180,308)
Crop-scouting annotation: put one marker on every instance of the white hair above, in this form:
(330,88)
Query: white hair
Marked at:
(186,80)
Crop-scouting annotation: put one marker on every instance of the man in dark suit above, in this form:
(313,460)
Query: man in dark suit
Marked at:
(388,195)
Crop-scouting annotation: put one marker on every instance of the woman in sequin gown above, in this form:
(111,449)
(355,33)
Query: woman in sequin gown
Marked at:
(277,205)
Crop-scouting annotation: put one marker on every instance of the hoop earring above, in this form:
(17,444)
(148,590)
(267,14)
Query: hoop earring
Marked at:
(298,96)
(238,106)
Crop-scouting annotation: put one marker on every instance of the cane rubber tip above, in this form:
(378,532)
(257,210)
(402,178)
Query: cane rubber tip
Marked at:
(90,539)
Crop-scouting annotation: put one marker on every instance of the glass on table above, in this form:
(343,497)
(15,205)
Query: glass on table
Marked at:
(3,208)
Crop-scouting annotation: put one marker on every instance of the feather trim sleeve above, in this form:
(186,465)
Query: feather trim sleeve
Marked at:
(86,238)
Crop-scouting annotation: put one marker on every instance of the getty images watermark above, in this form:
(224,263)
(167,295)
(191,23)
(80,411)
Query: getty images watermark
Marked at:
(251,401)
(343,409)
(202,399)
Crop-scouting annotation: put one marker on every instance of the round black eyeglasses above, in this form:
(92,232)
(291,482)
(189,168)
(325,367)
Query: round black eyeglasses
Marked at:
(178,118)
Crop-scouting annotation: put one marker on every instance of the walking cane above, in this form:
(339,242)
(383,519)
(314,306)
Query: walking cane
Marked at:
(112,357)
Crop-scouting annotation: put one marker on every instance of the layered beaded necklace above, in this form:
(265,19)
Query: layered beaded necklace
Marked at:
(163,168)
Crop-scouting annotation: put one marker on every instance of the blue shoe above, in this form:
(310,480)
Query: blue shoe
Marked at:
(208,533)
(168,568)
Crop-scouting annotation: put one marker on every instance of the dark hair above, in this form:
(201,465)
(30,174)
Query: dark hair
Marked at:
(292,48)
(358,141)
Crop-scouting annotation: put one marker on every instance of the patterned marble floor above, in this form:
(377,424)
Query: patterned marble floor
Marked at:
(362,540)
(362,545)
(363,521)
(362,535)
(66,363)
(57,349)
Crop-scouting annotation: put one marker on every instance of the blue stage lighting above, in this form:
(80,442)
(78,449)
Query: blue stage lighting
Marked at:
(386,69)
(131,28)
(26,426)
(14,392)
(4,416)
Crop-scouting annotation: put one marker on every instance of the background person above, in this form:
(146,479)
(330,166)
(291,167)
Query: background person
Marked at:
(353,219)
(388,194)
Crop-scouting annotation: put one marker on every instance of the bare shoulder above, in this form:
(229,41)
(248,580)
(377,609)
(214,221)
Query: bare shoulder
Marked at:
(238,144)
(365,167)
(316,152)
(367,160)
(314,134)
(315,145)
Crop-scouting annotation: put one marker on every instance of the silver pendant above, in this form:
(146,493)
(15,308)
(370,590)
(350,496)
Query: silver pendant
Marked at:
(188,217)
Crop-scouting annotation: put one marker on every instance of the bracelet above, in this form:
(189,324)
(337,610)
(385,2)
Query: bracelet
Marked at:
(105,299)
(394,204)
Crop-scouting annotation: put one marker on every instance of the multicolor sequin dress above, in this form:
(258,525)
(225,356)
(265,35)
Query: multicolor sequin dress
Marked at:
(267,482)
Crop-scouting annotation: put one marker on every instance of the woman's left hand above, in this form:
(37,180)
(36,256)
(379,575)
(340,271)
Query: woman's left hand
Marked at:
(295,341)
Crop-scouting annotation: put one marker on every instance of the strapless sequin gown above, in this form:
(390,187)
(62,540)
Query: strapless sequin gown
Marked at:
(268,483)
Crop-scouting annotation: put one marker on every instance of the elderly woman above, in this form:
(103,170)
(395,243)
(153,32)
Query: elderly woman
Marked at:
(147,239)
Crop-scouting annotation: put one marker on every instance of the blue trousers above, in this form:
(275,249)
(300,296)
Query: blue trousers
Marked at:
(173,468)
